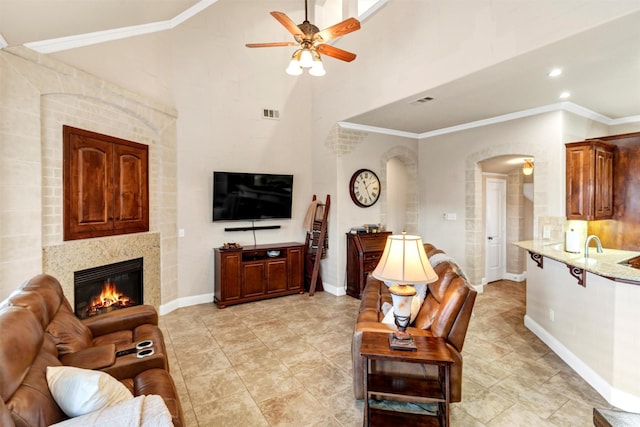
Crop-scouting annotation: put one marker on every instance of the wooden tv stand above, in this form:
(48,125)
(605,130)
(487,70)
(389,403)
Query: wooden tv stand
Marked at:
(250,274)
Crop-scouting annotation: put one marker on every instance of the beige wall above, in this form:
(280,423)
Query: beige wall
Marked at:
(219,88)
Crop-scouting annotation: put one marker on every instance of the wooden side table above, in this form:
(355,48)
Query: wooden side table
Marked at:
(431,351)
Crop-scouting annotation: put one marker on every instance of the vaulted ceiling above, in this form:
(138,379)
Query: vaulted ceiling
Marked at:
(601,66)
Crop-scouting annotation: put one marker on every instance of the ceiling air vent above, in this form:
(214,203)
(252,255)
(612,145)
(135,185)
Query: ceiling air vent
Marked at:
(422,100)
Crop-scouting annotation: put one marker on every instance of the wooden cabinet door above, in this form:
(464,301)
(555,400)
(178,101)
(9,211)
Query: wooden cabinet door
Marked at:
(589,184)
(603,176)
(578,179)
(229,279)
(106,185)
(276,275)
(253,279)
(131,207)
(295,258)
(88,185)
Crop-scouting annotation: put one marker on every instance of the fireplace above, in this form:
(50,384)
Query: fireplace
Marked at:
(106,288)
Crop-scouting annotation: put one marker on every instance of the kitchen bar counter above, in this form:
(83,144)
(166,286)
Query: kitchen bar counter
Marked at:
(588,315)
(608,264)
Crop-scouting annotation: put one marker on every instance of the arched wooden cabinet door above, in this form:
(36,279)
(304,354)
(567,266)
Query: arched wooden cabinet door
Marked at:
(106,185)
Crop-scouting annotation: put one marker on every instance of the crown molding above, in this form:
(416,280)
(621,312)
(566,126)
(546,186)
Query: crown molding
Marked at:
(374,129)
(81,40)
(560,106)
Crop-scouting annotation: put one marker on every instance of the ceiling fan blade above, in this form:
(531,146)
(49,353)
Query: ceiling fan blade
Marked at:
(334,52)
(345,27)
(288,24)
(271,44)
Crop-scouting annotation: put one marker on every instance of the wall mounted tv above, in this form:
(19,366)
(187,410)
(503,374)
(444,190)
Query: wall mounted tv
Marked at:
(251,196)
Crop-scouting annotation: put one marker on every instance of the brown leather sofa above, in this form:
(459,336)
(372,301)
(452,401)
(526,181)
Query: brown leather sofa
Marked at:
(39,329)
(445,313)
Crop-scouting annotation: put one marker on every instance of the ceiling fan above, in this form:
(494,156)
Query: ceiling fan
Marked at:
(312,43)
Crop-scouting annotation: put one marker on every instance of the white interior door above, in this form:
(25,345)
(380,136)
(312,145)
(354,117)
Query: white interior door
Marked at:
(495,228)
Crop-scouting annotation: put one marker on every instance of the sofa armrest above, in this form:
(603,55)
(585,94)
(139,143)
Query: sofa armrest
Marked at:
(130,366)
(97,357)
(124,319)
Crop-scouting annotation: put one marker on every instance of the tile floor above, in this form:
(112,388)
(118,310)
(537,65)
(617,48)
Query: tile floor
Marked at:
(287,362)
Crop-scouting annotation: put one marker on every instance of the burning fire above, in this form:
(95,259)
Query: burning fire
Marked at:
(108,299)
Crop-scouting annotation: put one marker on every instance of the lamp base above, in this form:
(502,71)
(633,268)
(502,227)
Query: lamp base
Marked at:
(402,343)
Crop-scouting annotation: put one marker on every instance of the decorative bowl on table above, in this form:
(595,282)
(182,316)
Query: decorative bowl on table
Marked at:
(273,254)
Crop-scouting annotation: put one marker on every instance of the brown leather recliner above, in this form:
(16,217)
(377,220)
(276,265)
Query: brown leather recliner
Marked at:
(445,313)
(92,343)
(27,347)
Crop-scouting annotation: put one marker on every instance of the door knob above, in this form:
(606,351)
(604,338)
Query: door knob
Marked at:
(489,238)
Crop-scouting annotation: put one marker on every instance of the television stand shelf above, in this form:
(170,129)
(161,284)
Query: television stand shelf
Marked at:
(258,272)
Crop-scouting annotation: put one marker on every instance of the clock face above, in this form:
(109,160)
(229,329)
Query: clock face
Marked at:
(364,188)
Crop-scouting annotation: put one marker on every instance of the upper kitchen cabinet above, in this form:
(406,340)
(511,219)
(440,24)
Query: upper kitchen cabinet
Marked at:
(589,180)
(106,185)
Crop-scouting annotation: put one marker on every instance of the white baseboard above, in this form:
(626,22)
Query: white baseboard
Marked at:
(617,398)
(333,290)
(516,277)
(480,288)
(185,302)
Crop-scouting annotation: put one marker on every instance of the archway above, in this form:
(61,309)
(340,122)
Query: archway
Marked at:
(408,159)
(474,228)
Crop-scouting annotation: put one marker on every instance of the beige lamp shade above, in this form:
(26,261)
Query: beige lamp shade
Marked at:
(405,261)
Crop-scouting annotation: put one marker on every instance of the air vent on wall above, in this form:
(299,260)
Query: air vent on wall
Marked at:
(270,114)
(422,100)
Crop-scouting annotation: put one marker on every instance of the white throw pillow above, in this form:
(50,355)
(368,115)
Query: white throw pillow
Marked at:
(80,391)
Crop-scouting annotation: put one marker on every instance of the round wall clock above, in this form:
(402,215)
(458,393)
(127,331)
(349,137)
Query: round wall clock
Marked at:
(364,188)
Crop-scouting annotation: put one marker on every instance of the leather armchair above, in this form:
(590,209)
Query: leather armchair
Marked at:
(92,343)
(445,312)
(33,321)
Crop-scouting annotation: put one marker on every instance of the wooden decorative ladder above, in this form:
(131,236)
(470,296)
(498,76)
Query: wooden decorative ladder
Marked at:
(316,240)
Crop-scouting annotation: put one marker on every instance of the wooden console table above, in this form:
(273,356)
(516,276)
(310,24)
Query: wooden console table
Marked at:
(258,272)
(431,351)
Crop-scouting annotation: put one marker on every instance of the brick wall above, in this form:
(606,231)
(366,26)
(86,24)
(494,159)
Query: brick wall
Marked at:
(38,95)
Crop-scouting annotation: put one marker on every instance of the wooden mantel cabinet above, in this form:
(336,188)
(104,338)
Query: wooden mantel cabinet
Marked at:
(106,185)
(258,272)
(589,191)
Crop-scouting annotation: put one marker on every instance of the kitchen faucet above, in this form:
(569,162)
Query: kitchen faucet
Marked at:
(586,245)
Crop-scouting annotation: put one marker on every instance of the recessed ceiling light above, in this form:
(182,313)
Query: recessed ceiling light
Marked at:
(422,100)
(555,72)
(565,95)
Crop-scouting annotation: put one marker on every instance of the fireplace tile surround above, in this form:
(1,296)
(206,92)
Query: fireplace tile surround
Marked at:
(62,260)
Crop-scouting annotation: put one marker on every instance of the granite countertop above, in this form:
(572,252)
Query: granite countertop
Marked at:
(606,264)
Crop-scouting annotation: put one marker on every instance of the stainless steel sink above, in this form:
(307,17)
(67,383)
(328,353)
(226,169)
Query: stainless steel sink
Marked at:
(631,262)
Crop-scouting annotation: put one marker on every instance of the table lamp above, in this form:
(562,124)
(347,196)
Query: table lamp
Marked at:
(404,263)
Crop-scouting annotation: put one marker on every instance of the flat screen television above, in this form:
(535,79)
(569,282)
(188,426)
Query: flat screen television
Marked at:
(251,196)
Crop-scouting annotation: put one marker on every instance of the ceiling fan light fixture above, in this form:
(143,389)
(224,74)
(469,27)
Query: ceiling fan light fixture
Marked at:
(312,42)
(294,65)
(294,68)
(317,69)
(306,58)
